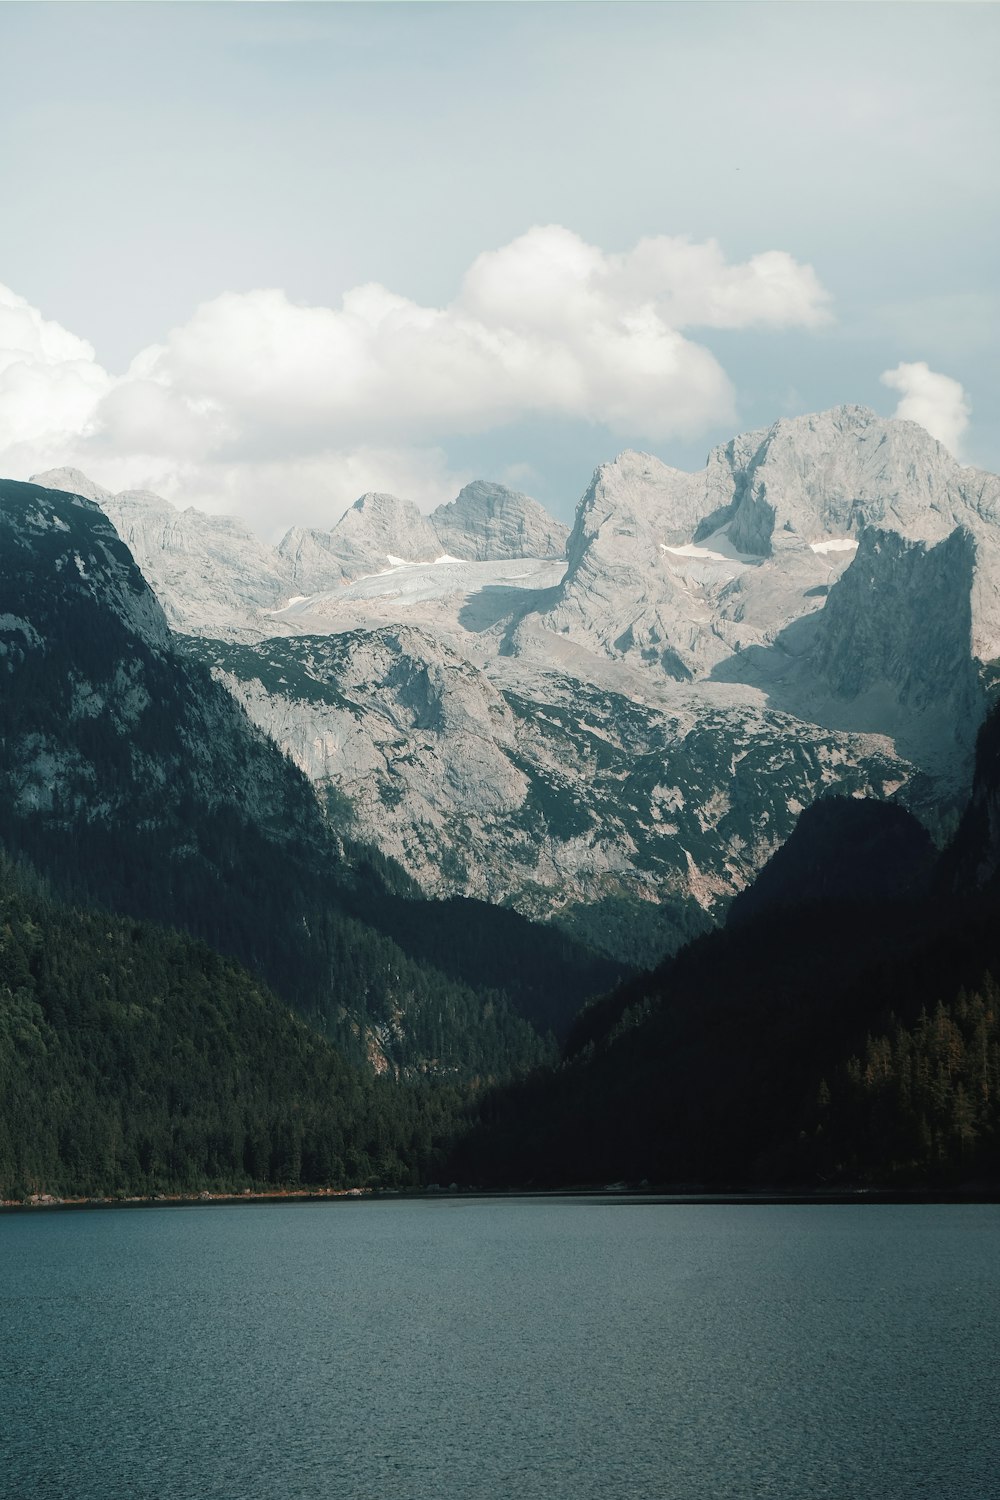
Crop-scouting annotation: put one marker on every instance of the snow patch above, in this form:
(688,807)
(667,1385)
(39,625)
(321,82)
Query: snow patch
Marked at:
(716,548)
(835,544)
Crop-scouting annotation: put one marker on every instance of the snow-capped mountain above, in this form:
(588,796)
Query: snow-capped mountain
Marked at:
(641,716)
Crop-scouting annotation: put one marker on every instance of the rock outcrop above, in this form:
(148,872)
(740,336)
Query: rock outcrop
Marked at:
(378,532)
(489,523)
(677,571)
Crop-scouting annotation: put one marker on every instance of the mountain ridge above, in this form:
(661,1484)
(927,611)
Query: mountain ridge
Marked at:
(832,582)
(135,781)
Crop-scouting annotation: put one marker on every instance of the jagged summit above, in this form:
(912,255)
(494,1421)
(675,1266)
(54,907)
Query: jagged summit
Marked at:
(215,577)
(485,523)
(377,531)
(838,471)
(379,527)
(678,571)
(388,518)
(490,523)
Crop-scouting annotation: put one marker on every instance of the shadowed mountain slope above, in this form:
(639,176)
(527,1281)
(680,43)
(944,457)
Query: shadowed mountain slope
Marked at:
(135,781)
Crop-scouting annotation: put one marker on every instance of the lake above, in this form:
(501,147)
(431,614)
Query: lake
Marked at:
(526,1348)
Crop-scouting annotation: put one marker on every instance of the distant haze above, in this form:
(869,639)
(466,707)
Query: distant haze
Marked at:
(263,258)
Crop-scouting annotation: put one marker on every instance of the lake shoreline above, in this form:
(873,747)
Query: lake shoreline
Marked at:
(615,1194)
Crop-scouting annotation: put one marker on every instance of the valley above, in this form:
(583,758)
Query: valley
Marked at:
(438,782)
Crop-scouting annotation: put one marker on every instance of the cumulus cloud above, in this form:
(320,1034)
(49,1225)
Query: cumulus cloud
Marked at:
(50,381)
(550,278)
(548,325)
(936,401)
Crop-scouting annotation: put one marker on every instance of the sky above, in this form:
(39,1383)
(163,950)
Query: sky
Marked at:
(263,257)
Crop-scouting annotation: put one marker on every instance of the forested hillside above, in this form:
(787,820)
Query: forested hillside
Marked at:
(134,1060)
(815,1042)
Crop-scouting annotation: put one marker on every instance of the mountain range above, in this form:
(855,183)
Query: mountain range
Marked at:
(630,740)
(130,778)
(611,727)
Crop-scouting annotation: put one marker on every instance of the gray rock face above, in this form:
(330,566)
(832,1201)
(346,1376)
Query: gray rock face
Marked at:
(677,572)
(211,574)
(489,523)
(812,612)
(72,482)
(893,648)
(652,583)
(839,471)
(550,797)
(897,593)
(378,532)
(620,595)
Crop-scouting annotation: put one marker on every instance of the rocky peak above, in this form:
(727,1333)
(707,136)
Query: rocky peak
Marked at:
(628,591)
(833,473)
(638,498)
(384,526)
(378,530)
(678,571)
(210,573)
(71,482)
(490,523)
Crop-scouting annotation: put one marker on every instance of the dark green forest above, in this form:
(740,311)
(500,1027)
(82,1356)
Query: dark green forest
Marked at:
(811,1043)
(134,1060)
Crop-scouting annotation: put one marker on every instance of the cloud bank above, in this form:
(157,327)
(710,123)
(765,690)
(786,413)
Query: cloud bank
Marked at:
(256,389)
(936,401)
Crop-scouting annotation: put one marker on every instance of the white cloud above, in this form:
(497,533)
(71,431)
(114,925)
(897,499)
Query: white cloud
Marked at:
(548,324)
(50,382)
(549,278)
(314,491)
(256,386)
(936,401)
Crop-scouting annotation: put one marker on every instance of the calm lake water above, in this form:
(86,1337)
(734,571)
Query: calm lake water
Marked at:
(530,1349)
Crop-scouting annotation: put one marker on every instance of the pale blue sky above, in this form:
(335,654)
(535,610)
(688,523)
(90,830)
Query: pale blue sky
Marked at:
(156,156)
